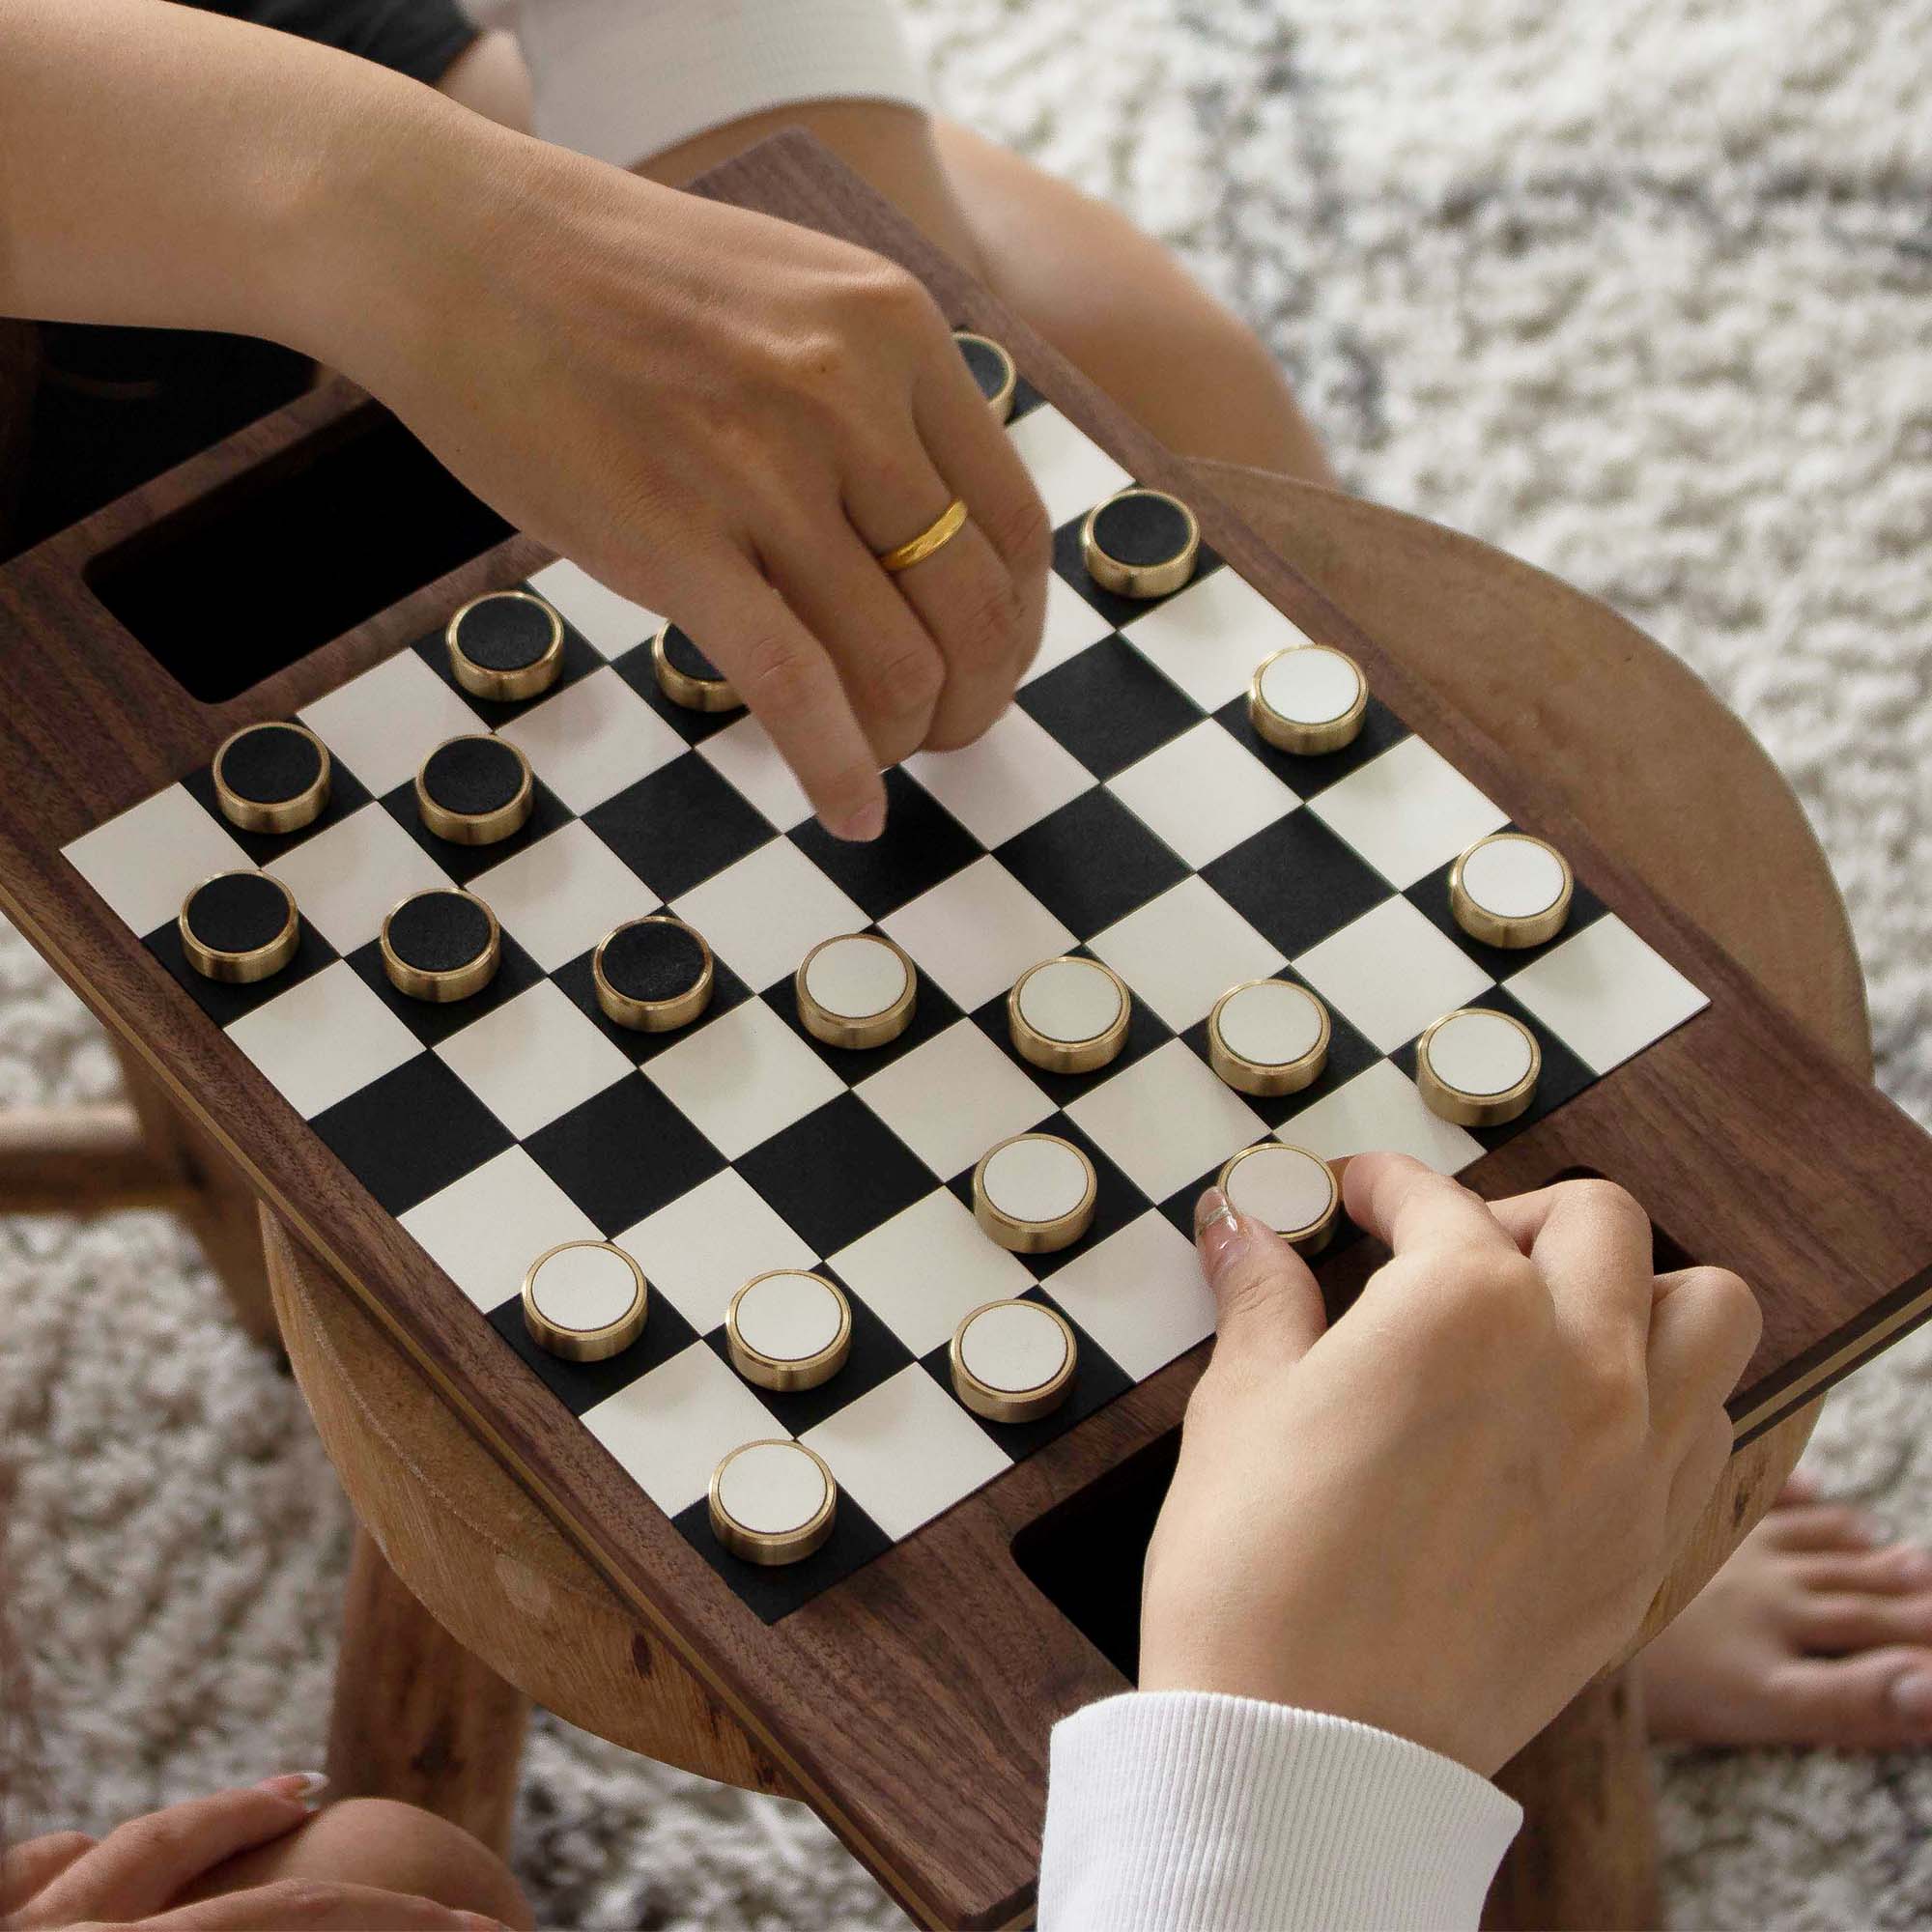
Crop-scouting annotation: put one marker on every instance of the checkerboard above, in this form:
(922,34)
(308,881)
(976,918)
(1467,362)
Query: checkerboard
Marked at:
(1123,808)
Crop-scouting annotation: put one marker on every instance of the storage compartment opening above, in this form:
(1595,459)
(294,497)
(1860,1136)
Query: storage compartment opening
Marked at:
(289,554)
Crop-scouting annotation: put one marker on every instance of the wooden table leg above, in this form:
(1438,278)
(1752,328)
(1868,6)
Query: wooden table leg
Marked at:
(416,1717)
(1586,1856)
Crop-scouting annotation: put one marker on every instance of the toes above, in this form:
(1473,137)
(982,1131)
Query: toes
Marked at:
(1878,1700)
(1895,1570)
(1825,1527)
(1841,1621)
(1799,1486)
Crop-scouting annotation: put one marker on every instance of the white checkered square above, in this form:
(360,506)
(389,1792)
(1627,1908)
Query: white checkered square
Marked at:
(744,755)
(1408,812)
(1381,1112)
(1203,792)
(1140,1294)
(952,1098)
(700,1251)
(385,723)
(1002,783)
(533,1058)
(1210,638)
(609,624)
(929,1267)
(1166,1120)
(485,1230)
(592,738)
(977,932)
(1606,993)
(1391,973)
(905,1450)
(1071,625)
(743,1077)
(147,860)
(560,895)
(346,878)
(1068,468)
(1182,951)
(323,1038)
(765,913)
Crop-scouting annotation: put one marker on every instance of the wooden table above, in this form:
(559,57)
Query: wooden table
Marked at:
(1591,698)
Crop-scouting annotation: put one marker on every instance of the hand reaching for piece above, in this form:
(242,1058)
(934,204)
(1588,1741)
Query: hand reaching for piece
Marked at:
(1443,1516)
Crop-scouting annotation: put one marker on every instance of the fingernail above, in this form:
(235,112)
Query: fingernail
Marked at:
(1217,1229)
(304,1785)
(864,824)
(1912,1695)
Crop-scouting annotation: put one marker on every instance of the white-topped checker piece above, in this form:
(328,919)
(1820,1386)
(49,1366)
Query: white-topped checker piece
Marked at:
(1069,1015)
(584,1301)
(1285,1188)
(1268,1037)
(1034,1193)
(1511,890)
(1012,1361)
(1309,700)
(788,1329)
(772,1501)
(1477,1068)
(272,778)
(506,646)
(857,989)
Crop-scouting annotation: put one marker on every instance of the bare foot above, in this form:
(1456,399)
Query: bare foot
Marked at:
(1817,1632)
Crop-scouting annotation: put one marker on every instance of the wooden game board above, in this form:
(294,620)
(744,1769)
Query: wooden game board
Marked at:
(918,1681)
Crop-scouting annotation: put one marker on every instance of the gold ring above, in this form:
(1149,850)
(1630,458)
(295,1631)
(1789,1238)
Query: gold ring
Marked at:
(943,529)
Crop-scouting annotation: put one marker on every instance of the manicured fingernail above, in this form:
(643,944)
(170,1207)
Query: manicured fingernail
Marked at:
(1217,1229)
(1912,1695)
(304,1785)
(866,823)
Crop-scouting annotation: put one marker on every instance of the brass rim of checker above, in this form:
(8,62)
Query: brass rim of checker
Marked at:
(867,1029)
(653,1016)
(1260,1077)
(241,969)
(282,814)
(761,1546)
(1289,734)
(1001,401)
(1317,1235)
(1034,1237)
(1068,1056)
(505,686)
(478,827)
(585,1345)
(997,1404)
(1470,1110)
(1494,929)
(1139,579)
(456,982)
(774,1372)
(694,694)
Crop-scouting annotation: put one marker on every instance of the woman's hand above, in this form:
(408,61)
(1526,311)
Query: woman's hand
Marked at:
(1443,1516)
(128,1877)
(723,416)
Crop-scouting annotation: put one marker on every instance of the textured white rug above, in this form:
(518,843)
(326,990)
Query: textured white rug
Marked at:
(1641,290)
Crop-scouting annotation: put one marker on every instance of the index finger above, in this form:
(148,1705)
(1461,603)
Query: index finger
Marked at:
(1412,1210)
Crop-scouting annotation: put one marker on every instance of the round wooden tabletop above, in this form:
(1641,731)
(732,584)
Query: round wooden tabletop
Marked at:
(1675,787)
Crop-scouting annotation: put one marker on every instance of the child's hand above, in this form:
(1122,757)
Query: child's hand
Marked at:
(723,416)
(128,1878)
(1445,1514)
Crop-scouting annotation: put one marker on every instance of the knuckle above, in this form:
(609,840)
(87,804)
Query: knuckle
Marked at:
(158,1839)
(906,684)
(1018,529)
(987,631)
(1608,1199)
(895,295)
(778,671)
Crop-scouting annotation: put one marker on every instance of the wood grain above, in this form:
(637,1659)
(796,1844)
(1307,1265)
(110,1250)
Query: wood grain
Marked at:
(942,1668)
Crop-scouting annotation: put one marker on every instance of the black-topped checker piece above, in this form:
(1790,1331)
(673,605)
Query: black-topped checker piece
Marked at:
(475,790)
(652,974)
(687,676)
(992,368)
(1141,543)
(272,778)
(506,645)
(240,927)
(441,945)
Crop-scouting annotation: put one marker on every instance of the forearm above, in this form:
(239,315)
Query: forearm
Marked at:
(163,166)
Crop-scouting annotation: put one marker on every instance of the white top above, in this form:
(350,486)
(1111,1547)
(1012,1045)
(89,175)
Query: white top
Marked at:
(770,1487)
(1185,1812)
(1480,1051)
(584,1287)
(855,977)
(788,1316)
(1311,684)
(1272,1023)
(1013,1346)
(1512,877)
(1283,1188)
(1034,1178)
(1069,1000)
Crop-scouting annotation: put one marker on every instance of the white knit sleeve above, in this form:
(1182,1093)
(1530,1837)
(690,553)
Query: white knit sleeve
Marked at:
(1185,1812)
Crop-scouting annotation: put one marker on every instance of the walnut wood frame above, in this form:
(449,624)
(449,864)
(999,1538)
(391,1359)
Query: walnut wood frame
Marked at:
(911,1702)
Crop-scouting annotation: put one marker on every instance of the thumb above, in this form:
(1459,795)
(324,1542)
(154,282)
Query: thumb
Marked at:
(1268,1308)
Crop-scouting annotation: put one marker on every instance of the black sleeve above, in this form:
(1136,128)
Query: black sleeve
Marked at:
(418,38)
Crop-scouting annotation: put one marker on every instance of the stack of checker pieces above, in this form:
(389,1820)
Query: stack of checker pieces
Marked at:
(1131,812)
